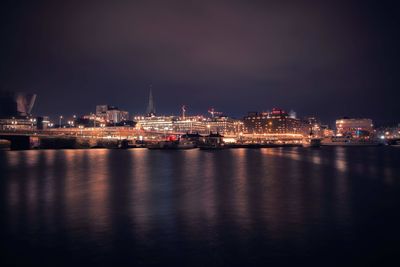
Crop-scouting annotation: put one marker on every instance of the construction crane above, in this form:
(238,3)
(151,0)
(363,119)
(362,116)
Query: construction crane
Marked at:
(214,113)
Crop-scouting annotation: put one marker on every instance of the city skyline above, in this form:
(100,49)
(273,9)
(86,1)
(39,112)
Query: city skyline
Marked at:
(205,112)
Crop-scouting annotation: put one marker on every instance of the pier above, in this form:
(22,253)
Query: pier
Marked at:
(113,137)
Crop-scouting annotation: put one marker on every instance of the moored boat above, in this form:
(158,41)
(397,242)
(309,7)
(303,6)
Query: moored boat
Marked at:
(312,142)
(212,147)
(212,142)
(172,145)
(348,141)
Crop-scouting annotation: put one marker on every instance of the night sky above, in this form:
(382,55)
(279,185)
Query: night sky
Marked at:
(331,59)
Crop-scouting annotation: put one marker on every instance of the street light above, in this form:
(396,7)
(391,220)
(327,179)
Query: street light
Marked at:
(59,124)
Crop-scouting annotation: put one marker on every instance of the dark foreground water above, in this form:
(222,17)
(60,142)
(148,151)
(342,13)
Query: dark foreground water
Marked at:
(266,207)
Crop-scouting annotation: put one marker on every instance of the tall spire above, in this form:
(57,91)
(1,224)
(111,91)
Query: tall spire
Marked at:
(183,111)
(151,110)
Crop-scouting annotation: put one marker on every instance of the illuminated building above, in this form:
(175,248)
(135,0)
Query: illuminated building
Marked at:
(354,127)
(255,122)
(276,122)
(190,124)
(389,132)
(116,116)
(314,127)
(101,110)
(110,114)
(172,123)
(224,125)
(326,132)
(18,124)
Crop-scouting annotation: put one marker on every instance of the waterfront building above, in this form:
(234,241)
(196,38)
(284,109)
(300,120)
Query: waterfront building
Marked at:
(354,127)
(18,124)
(326,131)
(224,125)
(172,123)
(275,122)
(255,122)
(312,126)
(190,124)
(391,132)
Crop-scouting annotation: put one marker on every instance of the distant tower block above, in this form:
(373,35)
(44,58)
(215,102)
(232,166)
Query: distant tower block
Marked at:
(292,114)
(151,110)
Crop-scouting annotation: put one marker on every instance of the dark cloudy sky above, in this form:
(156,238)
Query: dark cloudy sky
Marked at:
(329,58)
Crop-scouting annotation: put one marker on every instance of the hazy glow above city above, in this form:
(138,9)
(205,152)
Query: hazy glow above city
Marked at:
(328,58)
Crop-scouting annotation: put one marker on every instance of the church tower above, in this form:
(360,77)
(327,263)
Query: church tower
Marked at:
(151,110)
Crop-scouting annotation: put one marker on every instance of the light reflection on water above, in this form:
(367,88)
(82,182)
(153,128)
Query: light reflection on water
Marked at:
(208,189)
(168,198)
(140,192)
(95,191)
(239,182)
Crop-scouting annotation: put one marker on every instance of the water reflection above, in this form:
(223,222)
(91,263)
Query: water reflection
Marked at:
(340,160)
(13,158)
(95,187)
(240,177)
(49,156)
(209,190)
(188,168)
(140,200)
(141,192)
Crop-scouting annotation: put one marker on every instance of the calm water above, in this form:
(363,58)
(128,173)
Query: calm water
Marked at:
(292,206)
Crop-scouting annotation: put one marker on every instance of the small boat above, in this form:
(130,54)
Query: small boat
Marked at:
(126,144)
(348,141)
(186,144)
(395,143)
(158,145)
(172,145)
(242,145)
(212,142)
(212,147)
(5,144)
(275,145)
(312,142)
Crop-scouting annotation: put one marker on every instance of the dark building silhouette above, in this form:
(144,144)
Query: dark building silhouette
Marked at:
(151,109)
(16,104)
